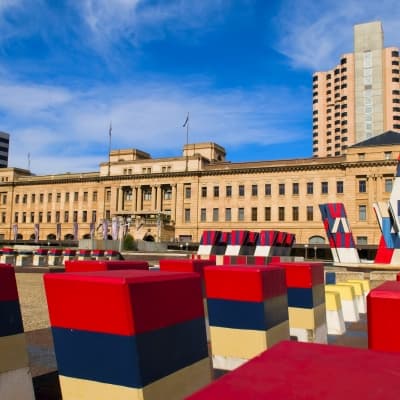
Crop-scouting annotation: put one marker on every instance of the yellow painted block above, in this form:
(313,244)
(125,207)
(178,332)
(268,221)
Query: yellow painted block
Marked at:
(332,301)
(13,353)
(346,292)
(307,318)
(245,343)
(358,289)
(172,387)
(364,282)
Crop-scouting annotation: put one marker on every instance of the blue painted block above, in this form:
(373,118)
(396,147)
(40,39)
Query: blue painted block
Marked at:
(10,318)
(306,297)
(330,278)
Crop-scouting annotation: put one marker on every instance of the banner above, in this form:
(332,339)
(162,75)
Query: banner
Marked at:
(36,230)
(58,231)
(15,231)
(75,231)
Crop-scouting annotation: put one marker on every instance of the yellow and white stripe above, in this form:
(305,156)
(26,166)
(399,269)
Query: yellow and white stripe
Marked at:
(334,314)
(359,292)
(348,301)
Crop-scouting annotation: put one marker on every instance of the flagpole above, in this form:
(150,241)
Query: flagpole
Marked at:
(109,148)
(186,124)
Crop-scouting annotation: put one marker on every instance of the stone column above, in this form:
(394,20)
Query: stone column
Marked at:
(159,197)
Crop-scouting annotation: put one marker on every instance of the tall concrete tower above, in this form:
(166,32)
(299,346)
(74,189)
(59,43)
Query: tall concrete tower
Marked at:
(4,146)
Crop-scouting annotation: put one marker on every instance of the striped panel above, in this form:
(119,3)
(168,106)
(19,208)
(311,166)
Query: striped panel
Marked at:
(133,361)
(225,238)
(174,386)
(244,283)
(266,238)
(238,237)
(246,314)
(10,318)
(123,302)
(306,297)
(307,318)
(210,237)
(332,301)
(252,238)
(245,343)
(13,353)
(280,238)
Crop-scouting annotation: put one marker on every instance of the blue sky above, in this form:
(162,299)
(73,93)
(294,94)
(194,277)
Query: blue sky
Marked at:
(242,68)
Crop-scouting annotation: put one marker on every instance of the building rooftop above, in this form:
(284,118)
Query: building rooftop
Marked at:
(385,139)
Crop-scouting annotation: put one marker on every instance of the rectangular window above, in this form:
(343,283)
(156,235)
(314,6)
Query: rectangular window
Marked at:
(228,191)
(3,217)
(16,218)
(216,191)
(24,217)
(362,186)
(94,196)
(267,213)
(32,217)
(388,185)
(40,217)
(75,216)
(362,240)
(254,190)
(295,213)
(310,213)
(388,155)
(58,197)
(94,216)
(310,187)
(203,215)
(108,195)
(33,198)
(66,216)
(324,187)
(48,217)
(84,216)
(281,213)
(67,197)
(188,192)
(281,189)
(168,193)
(57,216)
(147,194)
(295,188)
(187,215)
(204,191)
(16,198)
(362,213)
(24,199)
(241,214)
(215,214)
(241,190)
(85,196)
(254,215)
(268,189)
(339,187)
(228,214)
(76,194)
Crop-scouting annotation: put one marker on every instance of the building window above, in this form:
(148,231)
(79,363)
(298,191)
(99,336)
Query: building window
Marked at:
(254,216)
(187,215)
(388,155)
(33,198)
(281,189)
(67,197)
(85,196)
(216,191)
(203,215)
(362,213)
(241,190)
(147,194)
(204,191)
(57,217)
(188,192)
(24,199)
(66,216)
(75,216)
(84,216)
(41,198)
(48,217)
(388,185)
(295,213)
(339,187)
(16,198)
(324,187)
(168,193)
(240,214)
(254,190)
(228,214)
(362,240)
(76,196)
(24,217)
(40,217)
(310,213)
(32,217)
(267,213)
(215,214)
(108,195)
(310,187)
(268,189)
(58,197)
(295,188)
(228,191)
(362,186)
(281,213)
(16,218)
(94,196)
(94,216)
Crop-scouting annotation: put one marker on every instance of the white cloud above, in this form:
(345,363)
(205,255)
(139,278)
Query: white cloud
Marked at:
(73,134)
(313,35)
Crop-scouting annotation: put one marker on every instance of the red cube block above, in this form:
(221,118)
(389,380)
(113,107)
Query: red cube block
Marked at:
(302,274)
(185,265)
(104,265)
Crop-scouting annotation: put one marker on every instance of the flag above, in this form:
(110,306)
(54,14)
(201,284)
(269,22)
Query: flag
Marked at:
(75,230)
(15,231)
(36,230)
(105,229)
(58,231)
(115,228)
(91,229)
(186,121)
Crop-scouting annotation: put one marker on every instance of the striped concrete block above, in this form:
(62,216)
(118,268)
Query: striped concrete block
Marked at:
(365,286)
(128,334)
(334,314)
(248,312)
(348,300)
(359,293)
(15,377)
(384,317)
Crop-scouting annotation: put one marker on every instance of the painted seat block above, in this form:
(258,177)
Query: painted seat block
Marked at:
(104,265)
(309,371)
(185,265)
(302,274)
(306,297)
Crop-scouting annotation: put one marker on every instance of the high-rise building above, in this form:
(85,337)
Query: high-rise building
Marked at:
(4,145)
(360,97)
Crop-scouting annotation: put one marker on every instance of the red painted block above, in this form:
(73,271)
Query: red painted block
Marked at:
(8,284)
(244,282)
(302,274)
(185,265)
(55,252)
(310,371)
(84,253)
(398,277)
(103,265)
(383,306)
(122,302)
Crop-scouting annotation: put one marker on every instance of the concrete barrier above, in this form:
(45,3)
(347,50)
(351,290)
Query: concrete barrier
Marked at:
(55,257)
(306,299)
(128,334)
(366,287)
(98,254)
(376,278)
(23,260)
(68,255)
(104,265)
(334,314)
(359,293)
(348,300)
(84,254)
(40,257)
(248,312)
(384,317)
(309,371)
(15,376)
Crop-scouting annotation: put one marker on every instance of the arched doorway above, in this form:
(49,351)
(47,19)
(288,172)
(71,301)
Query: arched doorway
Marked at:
(50,236)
